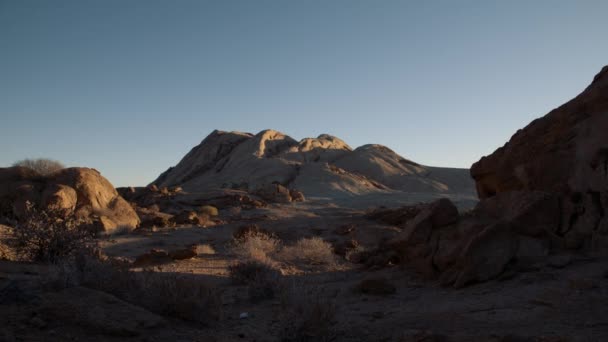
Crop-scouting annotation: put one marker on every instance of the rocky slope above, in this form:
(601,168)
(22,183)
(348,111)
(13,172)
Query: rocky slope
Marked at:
(319,167)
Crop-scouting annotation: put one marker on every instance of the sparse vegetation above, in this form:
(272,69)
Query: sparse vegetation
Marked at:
(308,317)
(43,166)
(263,280)
(175,295)
(315,251)
(209,210)
(206,249)
(50,235)
(257,246)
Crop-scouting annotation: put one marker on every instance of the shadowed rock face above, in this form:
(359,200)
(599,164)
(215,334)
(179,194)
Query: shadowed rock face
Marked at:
(81,190)
(323,167)
(565,155)
(545,192)
(565,151)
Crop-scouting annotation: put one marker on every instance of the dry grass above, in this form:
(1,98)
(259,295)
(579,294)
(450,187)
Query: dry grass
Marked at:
(257,267)
(50,235)
(205,249)
(257,246)
(263,280)
(181,296)
(43,166)
(308,317)
(312,251)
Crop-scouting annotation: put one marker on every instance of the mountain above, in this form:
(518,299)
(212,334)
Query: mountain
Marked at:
(325,166)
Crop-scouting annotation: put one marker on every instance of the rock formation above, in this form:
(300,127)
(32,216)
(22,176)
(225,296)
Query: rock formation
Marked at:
(81,191)
(545,192)
(565,151)
(318,167)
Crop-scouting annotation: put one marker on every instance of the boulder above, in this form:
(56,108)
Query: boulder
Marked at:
(296,196)
(60,197)
(487,254)
(151,258)
(81,190)
(151,218)
(183,253)
(430,217)
(274,193)
(531,213)
(189,217)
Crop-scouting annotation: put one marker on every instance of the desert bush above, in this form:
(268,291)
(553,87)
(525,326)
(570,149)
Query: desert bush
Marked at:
(315,251)
(41,165)
(179,295)
(209,210)
(176,295)
(50,235)
(256,246)
(206,249)
(263,280)
(6,252)
(308,317)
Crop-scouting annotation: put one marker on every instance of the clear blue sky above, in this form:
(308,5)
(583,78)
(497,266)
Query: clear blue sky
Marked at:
(129,87)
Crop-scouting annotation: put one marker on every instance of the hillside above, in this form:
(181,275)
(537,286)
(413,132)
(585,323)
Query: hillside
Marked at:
(324,167)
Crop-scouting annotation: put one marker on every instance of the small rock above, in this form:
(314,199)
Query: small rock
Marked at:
(344,229)
(244,315)
(183,254)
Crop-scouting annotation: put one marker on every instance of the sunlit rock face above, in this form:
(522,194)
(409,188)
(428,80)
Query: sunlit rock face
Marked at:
(324,166)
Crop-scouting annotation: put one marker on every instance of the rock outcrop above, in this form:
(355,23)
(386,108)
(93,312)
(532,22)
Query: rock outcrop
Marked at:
(565,151)
(544,193)
(82,191)
(565,155)
(322,167)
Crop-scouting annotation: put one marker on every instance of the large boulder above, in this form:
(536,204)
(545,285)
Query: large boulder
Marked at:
(274,193)
(83,191)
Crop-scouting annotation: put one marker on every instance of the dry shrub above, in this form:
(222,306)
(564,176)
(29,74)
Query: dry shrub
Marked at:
(6,252)
(209,210)
(50,235)
(263,280)
(176,295)
(308,316)
(41,165)
(256,246)
(314,251)
(205,249)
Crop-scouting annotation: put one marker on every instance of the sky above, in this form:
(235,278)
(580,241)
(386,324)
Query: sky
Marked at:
(129,87)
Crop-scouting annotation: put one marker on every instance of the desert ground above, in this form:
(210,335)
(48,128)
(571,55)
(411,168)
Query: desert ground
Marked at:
(562,298)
